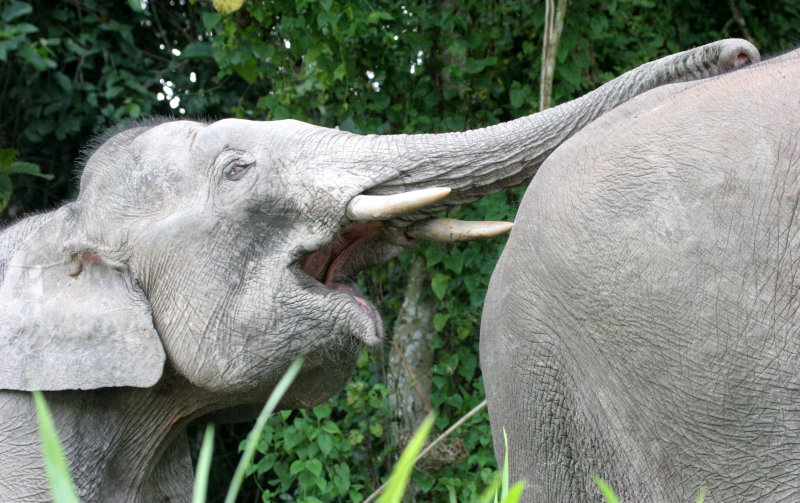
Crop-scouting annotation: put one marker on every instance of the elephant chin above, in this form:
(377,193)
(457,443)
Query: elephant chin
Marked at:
(355,248)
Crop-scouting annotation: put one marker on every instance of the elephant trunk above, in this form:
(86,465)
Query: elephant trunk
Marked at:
(483,161)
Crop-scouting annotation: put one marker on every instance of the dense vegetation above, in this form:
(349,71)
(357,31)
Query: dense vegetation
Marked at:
(71,68)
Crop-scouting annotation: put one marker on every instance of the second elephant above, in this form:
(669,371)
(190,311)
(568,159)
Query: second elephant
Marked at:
(643,322)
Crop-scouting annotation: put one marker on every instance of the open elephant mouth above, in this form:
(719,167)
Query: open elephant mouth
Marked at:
(366,242)
(355,248)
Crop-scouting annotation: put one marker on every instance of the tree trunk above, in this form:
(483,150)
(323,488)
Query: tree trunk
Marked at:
(409,375)
(553,24)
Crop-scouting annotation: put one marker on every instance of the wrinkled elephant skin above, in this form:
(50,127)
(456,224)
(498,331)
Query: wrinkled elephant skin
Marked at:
(643,322)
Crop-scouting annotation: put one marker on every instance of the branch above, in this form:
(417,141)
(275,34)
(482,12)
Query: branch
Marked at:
(433,444)
(553,25)
(737,15)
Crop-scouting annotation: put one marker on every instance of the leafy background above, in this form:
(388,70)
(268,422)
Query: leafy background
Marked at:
(70,69)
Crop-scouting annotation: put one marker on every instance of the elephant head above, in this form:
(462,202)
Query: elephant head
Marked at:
(228,249)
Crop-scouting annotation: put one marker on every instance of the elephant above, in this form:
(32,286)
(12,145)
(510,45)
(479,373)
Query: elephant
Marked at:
(642,324)
(199,259)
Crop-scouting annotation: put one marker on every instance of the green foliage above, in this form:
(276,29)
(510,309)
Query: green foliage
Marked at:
(58,474)
(63,490)
(73,68)
(8,166)
(319,454)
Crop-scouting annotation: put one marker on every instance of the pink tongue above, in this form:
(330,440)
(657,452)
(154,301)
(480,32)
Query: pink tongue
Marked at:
(337,253)
(362,303)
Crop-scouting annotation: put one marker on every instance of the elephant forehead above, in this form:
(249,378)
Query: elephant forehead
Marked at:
(243,133)
(139,149)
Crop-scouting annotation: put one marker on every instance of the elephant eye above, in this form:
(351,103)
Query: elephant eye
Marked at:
(236,170)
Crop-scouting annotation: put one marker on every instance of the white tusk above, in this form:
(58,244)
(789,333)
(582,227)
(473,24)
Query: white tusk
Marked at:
(365,208)
(449,230)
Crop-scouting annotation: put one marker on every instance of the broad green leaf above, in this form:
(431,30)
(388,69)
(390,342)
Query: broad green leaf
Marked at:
(331,428)
(433,255)
(340,72)
(5,190)
(247,70)
(454,261)
(297,466)
(7,156)
(439,321)
(439,284)
(211,19)
(314,466)
(197,50)
(325,443)
(30,54)
(378,15)
(424,482)
(135,5)
(322,411)
(28,168)
(64,82)
(23,29)
(15,10)
(55,464)
(341,484)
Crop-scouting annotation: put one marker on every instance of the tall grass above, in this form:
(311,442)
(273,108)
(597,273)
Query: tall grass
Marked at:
(63,489)
(55,464)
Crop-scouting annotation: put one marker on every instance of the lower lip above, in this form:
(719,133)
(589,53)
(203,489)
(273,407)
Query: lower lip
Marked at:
(366,307)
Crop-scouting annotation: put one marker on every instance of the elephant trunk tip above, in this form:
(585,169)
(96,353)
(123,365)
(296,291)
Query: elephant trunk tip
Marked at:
(738,53)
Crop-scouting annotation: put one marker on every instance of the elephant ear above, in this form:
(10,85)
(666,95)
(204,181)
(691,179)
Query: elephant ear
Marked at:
(70,320)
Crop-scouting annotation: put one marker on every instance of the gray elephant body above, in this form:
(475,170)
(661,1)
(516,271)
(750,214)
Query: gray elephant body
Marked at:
(199,260)
(643,322)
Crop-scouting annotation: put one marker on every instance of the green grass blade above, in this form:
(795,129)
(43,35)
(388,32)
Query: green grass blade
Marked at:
(702,496)
(402,470)
(505,484)
(490,494)
(203,466)
(54,462)
(515,493)
(255,434)
(451,493)
(608,493)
